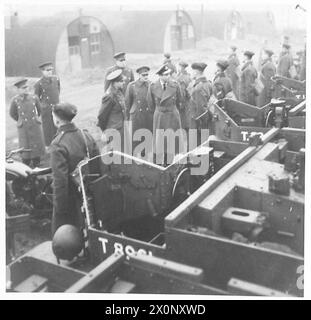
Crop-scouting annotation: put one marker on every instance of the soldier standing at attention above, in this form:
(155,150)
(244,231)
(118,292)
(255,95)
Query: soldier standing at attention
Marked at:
(268,71)
(164,97)
(25,110)
(222,86)
(48,90)
(112,113)
(248,77)
(127,73)
(184,79)
(200,91)
(233,71)
(137,109)
(285,62)
(70,146)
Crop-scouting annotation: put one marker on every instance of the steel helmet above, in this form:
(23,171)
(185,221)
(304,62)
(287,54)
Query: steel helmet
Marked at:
(67,242)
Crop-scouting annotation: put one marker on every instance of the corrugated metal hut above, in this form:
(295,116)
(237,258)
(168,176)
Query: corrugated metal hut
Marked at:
(72,44)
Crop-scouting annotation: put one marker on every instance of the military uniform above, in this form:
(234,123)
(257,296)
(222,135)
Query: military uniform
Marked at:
(127,74)
(67,150)
(48,90)
(25,109)
(137,109)
(233,72)
(285,63)
(268,70)
(222,86)
(247,83)
(183,78)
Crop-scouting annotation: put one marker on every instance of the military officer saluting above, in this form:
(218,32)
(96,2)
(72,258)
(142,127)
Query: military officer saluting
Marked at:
(127,73)
(233,71)
(268,71)
(247,84)
(184,79)
(164,98)
(137,109)
(48,90)
(222,86)
(200,91)
(25,110)
(69,147)
(169,63)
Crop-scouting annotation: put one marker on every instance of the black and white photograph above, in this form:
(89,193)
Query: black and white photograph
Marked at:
(155,148)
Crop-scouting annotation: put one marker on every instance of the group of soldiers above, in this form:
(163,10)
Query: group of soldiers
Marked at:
(177,100)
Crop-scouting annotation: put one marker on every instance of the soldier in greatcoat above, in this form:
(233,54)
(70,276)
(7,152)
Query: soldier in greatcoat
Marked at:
(286,62)
(136,104)
(233,70)
(164,97)
(222,85)
(70,146)
(47,89)
(120,64)
(184,79)
(268,70)
(249,75)
(25,110)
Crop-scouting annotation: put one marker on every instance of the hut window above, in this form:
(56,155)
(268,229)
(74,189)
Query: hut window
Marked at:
(95,42)
(74,50)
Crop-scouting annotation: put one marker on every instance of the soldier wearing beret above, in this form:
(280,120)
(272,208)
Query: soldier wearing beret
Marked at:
(25,110)
(222,86)
(200,91)
(137,109)
(184,79)
(248,77)
(286,62)
(164,98)
(48,90)
(268,70)
(112,113)
(70,146)
(233,71)
(120,64)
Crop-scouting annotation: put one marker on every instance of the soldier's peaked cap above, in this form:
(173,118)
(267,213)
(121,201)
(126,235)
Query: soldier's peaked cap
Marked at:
(65,110)
(20,82)
(119,55)
(286,45)
(248,53)
(142,69)
(163,70)
(45,64)
(183,64)
(199,66)
(222,64)
(115,75)
(269,52)
(167,55)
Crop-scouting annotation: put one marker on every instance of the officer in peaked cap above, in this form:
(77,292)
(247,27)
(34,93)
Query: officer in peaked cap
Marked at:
(249,75)
(137,109)
(286,62)
(120,63)
(268,70)
(68,148)
(164,98)
(222,86)
(25,109)
(233,70)
(47,89)
(168,61)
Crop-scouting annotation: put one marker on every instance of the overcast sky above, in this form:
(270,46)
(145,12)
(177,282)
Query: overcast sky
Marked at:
(284,11)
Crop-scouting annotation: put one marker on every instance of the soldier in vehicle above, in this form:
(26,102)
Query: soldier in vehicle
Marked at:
(127,73)
(248,77)
(68,148)
(233,70)
(26,110)
(222,86)
(48,91)
(285,62)
(164,98)
(112,113)
(184,79)
(200,91)
(137,109)
(268,70)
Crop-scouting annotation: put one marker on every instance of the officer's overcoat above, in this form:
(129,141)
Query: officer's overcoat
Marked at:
(48,90)
(268,70)
(233,72)
(284,64)
(25,109)
(247,83)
